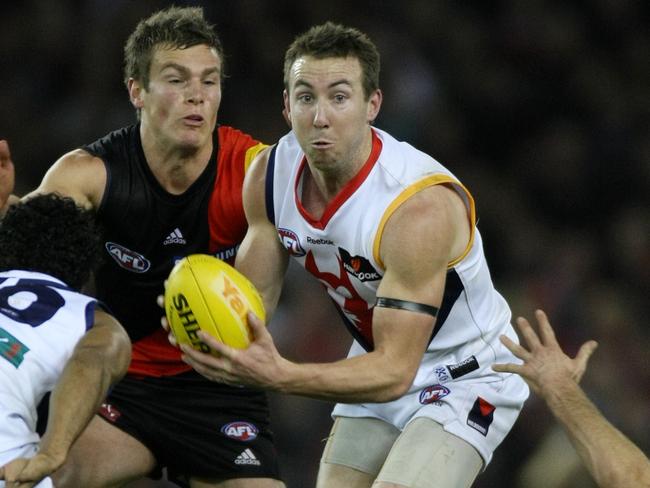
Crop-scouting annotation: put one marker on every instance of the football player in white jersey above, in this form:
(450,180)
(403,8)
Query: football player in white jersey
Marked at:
(391,234)
(52,337)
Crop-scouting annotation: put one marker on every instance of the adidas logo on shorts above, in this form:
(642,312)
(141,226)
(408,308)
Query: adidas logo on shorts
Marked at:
(176,237)
(247,457)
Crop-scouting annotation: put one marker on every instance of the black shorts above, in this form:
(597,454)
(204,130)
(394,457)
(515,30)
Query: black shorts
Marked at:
(195,427)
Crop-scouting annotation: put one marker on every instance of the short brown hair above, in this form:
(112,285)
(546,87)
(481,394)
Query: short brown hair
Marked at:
(174,27)
(332,40)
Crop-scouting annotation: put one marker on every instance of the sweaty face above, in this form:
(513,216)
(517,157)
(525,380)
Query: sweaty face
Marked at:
(329,112)
(179,107)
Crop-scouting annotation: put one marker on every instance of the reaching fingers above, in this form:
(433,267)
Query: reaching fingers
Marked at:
(528,333)
(508,368)
(516,349)
(546,333)
(582,358)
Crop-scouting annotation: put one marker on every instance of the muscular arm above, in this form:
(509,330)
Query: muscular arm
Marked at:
(100,359)
(611,458)
(261,256)
(77,174)
(432,228)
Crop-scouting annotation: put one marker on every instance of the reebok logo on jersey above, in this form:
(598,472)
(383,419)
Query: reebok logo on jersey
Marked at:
(176,237)
(127,259)
(319,242)
(248,458)
(481,415)
(358,266)
(465,366)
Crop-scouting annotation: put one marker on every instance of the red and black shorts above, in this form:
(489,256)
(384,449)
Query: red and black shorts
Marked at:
(195,427)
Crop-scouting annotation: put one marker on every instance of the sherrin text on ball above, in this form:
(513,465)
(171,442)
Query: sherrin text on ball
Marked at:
(205,293)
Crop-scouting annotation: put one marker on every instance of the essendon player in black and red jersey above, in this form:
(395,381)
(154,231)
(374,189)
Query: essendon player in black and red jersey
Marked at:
(164,188)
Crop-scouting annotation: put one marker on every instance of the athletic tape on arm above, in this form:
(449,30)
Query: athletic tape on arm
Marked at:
(406,305)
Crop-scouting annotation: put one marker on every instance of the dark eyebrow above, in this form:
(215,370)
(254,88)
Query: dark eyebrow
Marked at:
(182,69)
(304,83)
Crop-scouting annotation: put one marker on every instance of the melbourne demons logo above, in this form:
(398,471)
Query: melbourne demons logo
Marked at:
(127,259)
(291,242)
(350,302)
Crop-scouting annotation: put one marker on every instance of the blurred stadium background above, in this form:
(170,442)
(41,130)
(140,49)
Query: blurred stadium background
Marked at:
(542,108)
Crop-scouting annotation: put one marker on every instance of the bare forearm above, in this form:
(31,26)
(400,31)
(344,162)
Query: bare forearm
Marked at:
(364,378)
(612,459)
(74,401)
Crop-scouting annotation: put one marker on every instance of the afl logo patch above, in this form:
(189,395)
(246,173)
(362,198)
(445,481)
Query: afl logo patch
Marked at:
(290,240)
(241,431)
(433,393)
(127,259)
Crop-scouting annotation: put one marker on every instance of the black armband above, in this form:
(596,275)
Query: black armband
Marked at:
(406,305)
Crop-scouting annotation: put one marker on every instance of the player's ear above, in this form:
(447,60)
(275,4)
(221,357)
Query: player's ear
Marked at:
(286,110)
(374,104)
(135,93)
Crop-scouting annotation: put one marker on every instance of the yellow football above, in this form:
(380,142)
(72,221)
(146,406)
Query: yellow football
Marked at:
(206,293)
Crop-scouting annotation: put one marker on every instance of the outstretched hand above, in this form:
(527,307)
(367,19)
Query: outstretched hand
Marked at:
(545,366)
(259,365)
(26,473)
(7,174)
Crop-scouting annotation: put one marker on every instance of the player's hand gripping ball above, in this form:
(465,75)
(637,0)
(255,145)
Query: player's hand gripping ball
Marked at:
(205,293)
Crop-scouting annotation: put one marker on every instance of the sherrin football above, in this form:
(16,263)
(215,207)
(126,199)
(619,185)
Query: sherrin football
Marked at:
(205,293)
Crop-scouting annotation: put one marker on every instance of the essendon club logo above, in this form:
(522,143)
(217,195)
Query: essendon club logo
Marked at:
(481,415)
(358,266)
(291,242)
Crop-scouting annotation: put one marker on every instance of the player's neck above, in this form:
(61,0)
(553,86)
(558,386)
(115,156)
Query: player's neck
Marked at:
(331,178)
(321,185)
(175,168)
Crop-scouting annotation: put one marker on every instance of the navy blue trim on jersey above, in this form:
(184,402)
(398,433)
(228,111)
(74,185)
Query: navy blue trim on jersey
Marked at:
(406,305)
(353,330)
(29,282)
(90,314)
(453,288)
(270,166)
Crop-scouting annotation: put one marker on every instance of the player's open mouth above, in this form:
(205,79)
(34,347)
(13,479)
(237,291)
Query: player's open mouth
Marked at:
(193,119)
(321,144)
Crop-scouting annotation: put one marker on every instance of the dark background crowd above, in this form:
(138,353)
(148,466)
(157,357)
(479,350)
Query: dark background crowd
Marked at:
(542,108)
